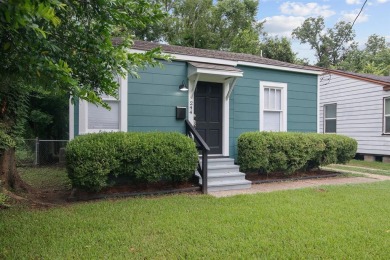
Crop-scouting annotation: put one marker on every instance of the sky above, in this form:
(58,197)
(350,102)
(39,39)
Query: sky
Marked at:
(283,16)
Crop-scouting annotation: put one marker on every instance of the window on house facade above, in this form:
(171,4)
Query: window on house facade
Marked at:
(273,106)
(94,119)
(100,118)
(330,121)
(386,115)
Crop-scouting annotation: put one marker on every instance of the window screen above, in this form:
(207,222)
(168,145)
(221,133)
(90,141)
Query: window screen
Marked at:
(272,109)
(330,121)
(386,113)
(101,118)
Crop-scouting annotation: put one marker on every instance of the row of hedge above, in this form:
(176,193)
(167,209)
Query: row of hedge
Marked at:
(95,160)
(269,152)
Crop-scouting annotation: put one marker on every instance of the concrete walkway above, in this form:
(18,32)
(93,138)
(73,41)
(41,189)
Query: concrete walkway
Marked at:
(291,185)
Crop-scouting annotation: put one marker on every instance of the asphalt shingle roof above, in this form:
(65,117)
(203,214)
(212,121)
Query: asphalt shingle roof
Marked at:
(224,55)
(370,76)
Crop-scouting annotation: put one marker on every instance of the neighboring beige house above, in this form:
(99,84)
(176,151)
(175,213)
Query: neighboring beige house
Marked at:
(358,106)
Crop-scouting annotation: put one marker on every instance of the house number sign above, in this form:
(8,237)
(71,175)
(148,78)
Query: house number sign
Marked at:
(191,106)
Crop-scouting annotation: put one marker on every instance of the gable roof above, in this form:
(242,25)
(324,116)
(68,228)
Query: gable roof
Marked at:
(237,58)
(380,80)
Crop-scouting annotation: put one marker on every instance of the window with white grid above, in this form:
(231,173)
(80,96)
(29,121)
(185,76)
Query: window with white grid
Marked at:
(273,106)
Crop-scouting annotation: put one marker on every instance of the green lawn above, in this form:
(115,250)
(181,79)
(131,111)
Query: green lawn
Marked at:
(375,165)
(363,167)
(45,177)
(338,222)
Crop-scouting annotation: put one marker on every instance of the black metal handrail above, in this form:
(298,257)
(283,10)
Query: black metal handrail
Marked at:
(202,146)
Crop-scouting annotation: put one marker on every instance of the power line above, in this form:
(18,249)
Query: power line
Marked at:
(361,10)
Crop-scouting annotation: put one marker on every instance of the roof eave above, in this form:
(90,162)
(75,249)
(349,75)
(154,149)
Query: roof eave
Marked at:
(181,57)
(386,85)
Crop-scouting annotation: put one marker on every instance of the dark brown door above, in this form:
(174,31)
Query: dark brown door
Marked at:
(208,114)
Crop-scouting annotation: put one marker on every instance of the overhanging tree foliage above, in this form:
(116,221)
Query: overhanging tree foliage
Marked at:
(329,45)
(65,46)
(373,59)
(278,49)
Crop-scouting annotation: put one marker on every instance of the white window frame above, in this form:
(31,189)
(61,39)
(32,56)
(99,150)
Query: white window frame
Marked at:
(331,118)
(122,98)
(283,111)
(385,115)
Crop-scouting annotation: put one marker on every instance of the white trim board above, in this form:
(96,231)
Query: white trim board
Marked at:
(225,109)
(181,57)
(283,87)
(318,105)
(83,112)
(71,119)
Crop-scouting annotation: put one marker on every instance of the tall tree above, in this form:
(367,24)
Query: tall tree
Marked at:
(373,59)
(190,23)
(278,49)
(209,24)
(66,47)
(231,18)
(228,25)
(329,45)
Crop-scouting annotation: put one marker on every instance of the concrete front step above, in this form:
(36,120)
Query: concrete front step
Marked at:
(223,174)
(229,185)
(233,176)
(219,161)
(223,168)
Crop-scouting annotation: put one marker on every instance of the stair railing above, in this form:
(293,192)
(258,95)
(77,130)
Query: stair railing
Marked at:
(201,146)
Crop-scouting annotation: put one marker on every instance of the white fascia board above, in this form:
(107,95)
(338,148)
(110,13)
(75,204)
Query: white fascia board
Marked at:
(181,57)
(265,66)
(203,59)
(71,119)
(233,63)
(219,72)
(318,104)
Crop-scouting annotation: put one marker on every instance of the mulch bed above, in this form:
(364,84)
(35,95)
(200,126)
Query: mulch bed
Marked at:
(135,190)
(53,197)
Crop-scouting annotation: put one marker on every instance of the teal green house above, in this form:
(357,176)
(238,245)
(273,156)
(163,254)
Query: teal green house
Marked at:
(222,94)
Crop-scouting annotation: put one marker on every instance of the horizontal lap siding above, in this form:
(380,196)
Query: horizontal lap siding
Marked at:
(359,112)
(244,102)
(152,99)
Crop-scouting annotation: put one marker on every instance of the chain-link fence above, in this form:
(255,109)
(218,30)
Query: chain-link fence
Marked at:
(41,152)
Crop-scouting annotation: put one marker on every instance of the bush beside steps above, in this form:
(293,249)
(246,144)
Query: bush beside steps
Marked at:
(96,161)
(268,152)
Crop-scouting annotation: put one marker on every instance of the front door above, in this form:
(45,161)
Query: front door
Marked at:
(208,114)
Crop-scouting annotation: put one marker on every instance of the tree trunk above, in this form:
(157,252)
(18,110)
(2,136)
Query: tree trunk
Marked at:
(9,176)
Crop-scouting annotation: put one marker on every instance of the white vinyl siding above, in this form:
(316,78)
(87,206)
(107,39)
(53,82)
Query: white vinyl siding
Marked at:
(330,118)
(360,111)
(273,106)
(386,115)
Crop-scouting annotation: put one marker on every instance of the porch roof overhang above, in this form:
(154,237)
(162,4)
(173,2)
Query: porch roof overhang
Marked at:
(208,71)
(213,69)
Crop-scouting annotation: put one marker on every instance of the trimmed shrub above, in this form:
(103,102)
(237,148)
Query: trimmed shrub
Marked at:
(93,160)
(269,152)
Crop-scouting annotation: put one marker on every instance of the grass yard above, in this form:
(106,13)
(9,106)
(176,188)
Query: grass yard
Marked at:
(374,165)
(363,167)
(45,177)
(338,222)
